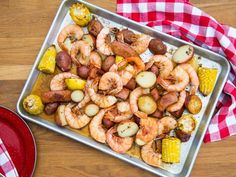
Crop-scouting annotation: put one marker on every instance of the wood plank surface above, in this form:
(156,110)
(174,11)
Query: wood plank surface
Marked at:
(23,27)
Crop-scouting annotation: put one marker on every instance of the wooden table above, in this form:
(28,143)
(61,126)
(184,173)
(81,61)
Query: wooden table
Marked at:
(23,26)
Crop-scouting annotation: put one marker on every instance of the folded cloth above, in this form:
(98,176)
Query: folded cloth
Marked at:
(181,19)
(7,166)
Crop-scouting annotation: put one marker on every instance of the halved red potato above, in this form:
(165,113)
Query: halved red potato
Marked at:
(183,54)
(60,118)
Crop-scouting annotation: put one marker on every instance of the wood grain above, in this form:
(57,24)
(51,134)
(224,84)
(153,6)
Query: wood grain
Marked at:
(24,25)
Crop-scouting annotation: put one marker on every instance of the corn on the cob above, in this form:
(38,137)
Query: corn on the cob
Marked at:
(207,79)
(48,61)
(194,62)
(171,150)
(33,104)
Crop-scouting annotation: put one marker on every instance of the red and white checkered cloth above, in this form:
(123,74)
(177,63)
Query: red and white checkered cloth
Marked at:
(181,19)
(7,166)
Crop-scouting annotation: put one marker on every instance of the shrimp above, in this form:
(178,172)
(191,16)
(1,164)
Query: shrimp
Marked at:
(58,81)
(166,124)
(95,127)
(149,129)
(192,76)
(138,62)
(85,50)
(179,104)
(134,95)
(149,156)
(73,32)
(141,44)
(111,82)
(75,120)
(122,113)
(99,99)
(164,65)
(95,60)
(118,144)
(126,74)
(101,44)
(181,80)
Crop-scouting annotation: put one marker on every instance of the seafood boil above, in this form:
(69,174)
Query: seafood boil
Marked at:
(98,80)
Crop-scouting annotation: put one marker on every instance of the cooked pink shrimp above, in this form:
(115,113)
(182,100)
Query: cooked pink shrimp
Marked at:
(99,99)
(141,44)
(111,83)
(73,32)
(149,156)
(192,76)
(95,60)
(164,65)
(126,74)
(85,51)
(95,127)
(123,112)
(75,120)
(58,81)
(179,104)
(133,99)
(148,131)
(181,80)
(166,124)
(101,43)
(118,144)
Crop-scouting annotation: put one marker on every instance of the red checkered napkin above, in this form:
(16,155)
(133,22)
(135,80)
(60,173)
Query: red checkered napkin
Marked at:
(6,165)
(181,19)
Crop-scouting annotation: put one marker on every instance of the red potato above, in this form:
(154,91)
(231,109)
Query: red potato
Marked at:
(155,94)
(123,49)
(183,54)
(51,108)
(131,84)
(56,96)
(157,47)
(167,100)
(60,118)
(83,72)
(184,137)
(63,61)
(126,36)
(108,123)
(123,94)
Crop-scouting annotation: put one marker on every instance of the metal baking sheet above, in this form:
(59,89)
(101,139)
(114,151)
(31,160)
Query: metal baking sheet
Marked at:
(190,149)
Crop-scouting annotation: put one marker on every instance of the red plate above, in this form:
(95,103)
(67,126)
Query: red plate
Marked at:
(19,142)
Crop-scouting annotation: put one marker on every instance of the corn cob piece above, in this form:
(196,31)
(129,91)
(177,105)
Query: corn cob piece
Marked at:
(171,150)
(33,104)
(194,62)
(48,61)
(207,79)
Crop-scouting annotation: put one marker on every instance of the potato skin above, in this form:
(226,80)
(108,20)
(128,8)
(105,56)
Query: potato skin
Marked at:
(157,47)
(51,108)
(184,137)
(193,103)
(154,69)
(94,27)
(131,84)
(108,123)
(63,61)
(83,72)
(123,49)
(108,62)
